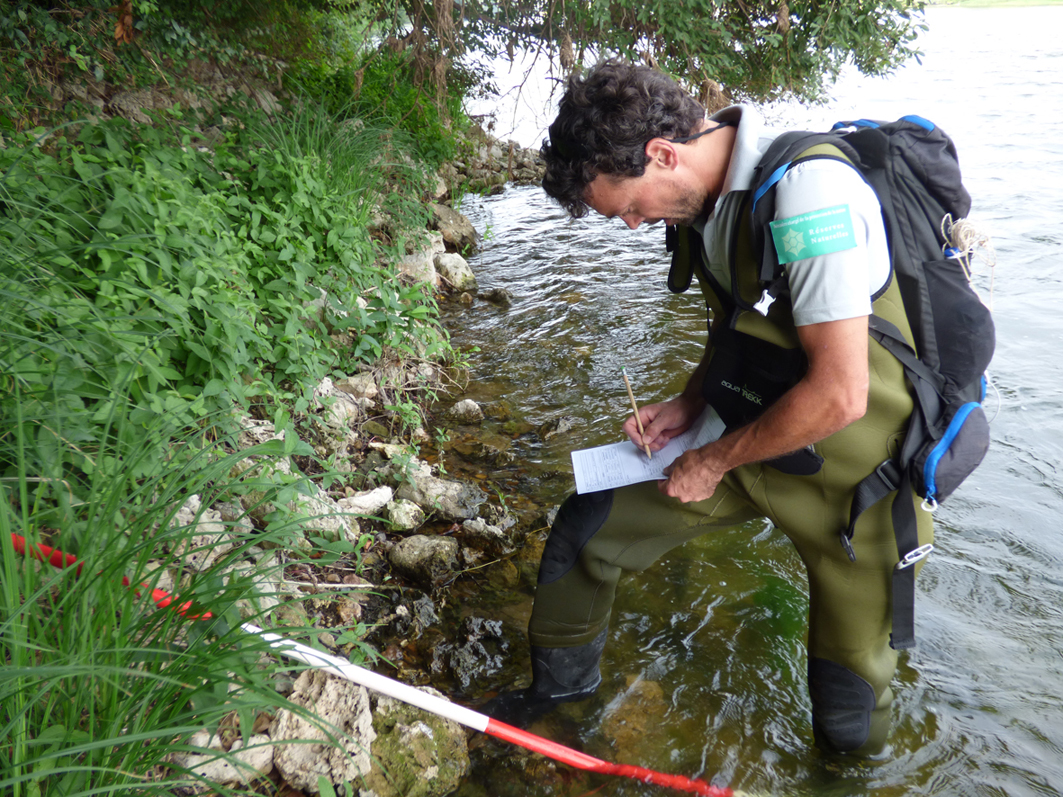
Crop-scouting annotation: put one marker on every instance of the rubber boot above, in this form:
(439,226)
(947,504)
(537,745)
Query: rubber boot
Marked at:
(559,675)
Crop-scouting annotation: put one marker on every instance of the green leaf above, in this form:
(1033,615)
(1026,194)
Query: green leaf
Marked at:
(214,387)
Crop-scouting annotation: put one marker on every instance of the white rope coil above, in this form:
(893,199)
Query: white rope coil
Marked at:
(969,241)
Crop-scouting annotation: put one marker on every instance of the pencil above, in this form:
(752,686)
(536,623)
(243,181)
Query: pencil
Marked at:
(635,407)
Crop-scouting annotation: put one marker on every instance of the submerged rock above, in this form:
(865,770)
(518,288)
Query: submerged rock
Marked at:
(561,425)
(478,655)
(466,411)
(499,296)
(640,712)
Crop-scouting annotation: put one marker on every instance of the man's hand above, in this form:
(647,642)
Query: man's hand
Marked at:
(663,421)
(694,476)
(831,395)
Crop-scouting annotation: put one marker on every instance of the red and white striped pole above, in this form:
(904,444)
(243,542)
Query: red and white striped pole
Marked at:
(408,694)
(475,720)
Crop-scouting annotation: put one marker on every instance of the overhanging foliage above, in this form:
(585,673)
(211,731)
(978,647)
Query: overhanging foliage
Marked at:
(760,49)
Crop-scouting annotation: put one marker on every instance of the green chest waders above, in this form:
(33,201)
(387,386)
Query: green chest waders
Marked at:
(599,536)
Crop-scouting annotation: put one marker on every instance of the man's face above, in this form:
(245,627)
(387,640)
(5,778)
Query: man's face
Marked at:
(658,195)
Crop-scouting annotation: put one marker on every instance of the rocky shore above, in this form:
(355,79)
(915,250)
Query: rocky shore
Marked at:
(415,529)
(413,532)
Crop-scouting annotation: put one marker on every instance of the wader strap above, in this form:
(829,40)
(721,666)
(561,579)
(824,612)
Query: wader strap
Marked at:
(888,478)
(905,527)
(883,480)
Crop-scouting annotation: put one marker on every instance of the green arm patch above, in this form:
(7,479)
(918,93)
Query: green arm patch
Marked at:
(819,232)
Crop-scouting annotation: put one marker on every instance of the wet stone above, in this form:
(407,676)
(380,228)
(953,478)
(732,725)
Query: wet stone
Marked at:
(421,616)
(478,653)
(497,515)
(641,712)
(428,561)
(493,456)
(562,425)
(498,296)
(491,540)
(466,411)
(422,755)
(454,269)
(515,428)
(504,576)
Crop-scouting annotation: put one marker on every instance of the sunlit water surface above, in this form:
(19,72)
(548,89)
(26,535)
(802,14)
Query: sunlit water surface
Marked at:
(719,624)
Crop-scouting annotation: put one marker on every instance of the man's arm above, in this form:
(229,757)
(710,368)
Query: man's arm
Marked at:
(832,394)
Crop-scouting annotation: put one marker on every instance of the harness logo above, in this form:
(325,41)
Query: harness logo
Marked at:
(748,395)
(820,232)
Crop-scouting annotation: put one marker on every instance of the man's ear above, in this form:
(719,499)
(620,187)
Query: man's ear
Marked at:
(663,152)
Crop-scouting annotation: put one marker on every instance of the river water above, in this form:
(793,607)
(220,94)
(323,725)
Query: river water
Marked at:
(712,636)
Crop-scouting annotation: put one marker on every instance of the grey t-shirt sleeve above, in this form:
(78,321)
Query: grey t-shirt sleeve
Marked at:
(838,284)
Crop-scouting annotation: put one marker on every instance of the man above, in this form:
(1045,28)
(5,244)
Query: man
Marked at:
(628,143)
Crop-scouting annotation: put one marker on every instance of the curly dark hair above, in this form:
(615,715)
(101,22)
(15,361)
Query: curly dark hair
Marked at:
(604,121)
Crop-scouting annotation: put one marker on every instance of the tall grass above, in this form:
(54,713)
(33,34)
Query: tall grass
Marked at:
(99,686)
(148,293)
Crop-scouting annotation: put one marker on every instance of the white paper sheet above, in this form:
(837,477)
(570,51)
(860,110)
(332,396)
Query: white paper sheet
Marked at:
(620,464)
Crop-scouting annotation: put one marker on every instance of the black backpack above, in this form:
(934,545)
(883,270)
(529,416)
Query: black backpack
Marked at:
(912,166)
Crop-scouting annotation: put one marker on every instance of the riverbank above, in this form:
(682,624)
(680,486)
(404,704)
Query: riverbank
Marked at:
(220,347)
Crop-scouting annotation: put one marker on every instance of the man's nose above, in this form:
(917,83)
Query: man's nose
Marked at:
(633,221)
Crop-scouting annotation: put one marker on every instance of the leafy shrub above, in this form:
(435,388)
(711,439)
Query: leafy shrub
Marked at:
(383,86)
(189,281)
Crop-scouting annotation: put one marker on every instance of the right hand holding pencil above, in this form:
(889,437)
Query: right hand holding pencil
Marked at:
(661,422)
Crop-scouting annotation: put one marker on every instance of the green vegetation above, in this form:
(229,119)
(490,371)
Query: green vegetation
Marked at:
(98,686)
(158,281)
(760,49)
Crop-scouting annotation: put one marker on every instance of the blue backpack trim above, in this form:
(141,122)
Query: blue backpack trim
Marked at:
(773,178)
(926,124)
(933,460)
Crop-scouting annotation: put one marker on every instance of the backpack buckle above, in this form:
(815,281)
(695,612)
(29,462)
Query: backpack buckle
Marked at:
(887,471)
(847,545)
(918,555)
(765,302)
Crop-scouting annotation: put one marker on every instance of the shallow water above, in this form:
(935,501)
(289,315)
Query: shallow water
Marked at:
(719,624)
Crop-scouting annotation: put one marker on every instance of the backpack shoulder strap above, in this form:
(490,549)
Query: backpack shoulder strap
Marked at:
(787,150)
